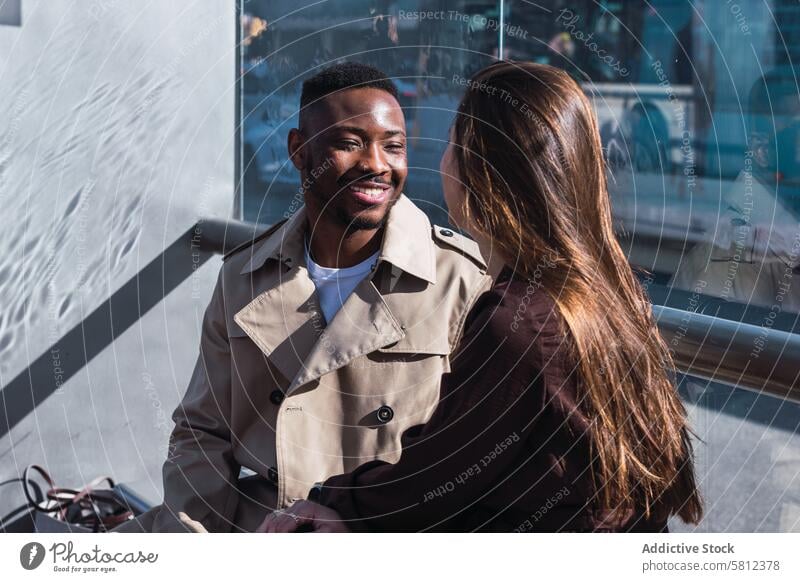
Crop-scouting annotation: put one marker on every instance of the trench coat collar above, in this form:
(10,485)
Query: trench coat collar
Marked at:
(407,242)
(285,321)
(285,244)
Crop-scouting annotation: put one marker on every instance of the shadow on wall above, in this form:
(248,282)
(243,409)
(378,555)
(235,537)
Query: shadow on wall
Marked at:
(70,353)
(11,13)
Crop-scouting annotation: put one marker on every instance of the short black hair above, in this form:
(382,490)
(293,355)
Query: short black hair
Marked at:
(348,75)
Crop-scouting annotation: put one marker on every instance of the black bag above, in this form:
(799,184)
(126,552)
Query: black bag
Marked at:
(76,510)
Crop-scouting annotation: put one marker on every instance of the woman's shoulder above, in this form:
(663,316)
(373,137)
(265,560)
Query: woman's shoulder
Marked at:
(516,314)
(518,304)
(516,327)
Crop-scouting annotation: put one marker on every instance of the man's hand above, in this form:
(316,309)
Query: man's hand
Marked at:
(318,518)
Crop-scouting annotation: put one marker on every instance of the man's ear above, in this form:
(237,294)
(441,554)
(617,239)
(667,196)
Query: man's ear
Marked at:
(297,152)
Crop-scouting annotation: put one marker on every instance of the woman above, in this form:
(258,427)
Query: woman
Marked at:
(558,413)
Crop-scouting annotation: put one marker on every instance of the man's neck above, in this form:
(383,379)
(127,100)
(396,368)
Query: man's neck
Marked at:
(333,247)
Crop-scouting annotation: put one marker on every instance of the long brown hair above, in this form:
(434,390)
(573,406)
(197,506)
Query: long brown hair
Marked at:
(529,155)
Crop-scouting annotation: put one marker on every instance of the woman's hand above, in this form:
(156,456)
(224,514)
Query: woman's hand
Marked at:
(192,525)
(318,518)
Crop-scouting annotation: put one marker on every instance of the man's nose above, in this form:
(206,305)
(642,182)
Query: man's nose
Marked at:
(373,160)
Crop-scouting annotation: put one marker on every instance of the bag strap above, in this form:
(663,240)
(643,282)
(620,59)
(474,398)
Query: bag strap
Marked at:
(62,497)
(86,499)
(88,490)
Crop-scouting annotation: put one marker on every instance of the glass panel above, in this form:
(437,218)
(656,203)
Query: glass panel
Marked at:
(700,117)
(420,44)
(698,109)
(703,158)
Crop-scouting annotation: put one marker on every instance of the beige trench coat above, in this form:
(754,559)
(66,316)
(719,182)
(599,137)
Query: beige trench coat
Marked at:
(294,399)
(754,257)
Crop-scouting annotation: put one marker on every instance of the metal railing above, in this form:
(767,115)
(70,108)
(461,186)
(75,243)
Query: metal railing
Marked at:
(749,347)
(734,349)
(749,356)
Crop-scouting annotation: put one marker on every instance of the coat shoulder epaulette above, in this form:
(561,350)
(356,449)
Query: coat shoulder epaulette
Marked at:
(254,240)
(465,246)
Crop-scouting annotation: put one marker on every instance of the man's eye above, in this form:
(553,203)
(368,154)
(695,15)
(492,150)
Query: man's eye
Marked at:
(349,145)
(397,147)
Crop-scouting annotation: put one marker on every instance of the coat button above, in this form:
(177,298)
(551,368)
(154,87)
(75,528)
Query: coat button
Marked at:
(272,475)
(385,414)
(446,232)
(276,397)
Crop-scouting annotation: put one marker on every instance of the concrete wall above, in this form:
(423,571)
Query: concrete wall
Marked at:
(116,135)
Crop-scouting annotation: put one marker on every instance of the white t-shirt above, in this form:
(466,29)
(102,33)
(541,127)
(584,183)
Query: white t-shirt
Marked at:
(334,286)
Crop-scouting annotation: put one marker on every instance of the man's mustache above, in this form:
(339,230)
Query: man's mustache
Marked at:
(345,181)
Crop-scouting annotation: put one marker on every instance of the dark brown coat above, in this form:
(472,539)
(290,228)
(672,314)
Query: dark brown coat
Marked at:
(505,450)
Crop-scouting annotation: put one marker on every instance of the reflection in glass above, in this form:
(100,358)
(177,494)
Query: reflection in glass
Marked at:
(424,46)
(697,107)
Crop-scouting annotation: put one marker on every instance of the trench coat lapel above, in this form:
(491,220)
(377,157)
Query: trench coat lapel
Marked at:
(363,324)
(284,320)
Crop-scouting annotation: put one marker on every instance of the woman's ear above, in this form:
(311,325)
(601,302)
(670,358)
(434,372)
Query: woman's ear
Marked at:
(295,143)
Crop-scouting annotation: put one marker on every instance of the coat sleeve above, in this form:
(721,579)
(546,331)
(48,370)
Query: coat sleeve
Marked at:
(737,239)
(200,474)
(476,436)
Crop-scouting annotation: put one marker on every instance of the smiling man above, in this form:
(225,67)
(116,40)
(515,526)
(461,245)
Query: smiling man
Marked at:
(326,337)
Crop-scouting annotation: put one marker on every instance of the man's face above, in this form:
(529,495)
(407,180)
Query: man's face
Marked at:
(351,154)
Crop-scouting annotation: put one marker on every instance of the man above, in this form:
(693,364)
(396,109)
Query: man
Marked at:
(325,339)
(753,256)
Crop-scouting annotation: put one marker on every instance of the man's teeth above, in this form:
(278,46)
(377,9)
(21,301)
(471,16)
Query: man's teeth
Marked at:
(370,191)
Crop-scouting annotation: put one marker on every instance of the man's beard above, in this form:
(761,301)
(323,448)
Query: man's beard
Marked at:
(351,223)
(361,222)
(358,222)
